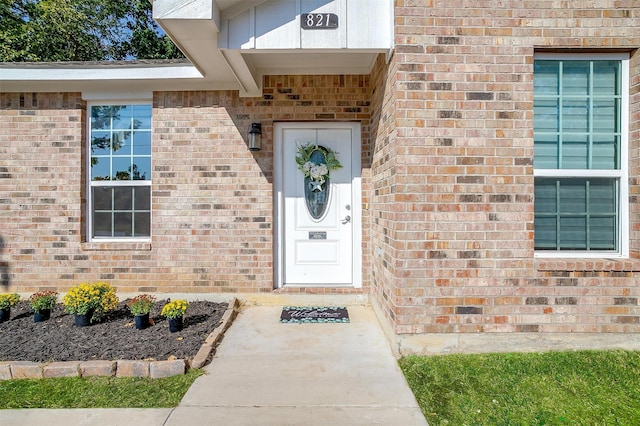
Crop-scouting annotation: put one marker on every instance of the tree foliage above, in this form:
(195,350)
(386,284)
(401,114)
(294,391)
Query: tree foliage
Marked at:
(81,30)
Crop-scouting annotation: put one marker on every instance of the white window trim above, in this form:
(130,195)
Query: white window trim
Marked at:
(90,184)
(622,174)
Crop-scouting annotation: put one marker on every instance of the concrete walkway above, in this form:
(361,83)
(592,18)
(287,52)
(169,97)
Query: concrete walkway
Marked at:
(268,373)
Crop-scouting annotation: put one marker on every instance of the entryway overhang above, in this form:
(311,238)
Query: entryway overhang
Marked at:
(231,45)
(250,39)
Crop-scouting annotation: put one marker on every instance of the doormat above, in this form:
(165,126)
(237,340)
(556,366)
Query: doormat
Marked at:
(314,314)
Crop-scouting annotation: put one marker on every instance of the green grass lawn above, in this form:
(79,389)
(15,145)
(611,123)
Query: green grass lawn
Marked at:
(554,388)
(96,392)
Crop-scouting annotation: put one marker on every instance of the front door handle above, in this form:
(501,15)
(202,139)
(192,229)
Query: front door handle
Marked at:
(346,219)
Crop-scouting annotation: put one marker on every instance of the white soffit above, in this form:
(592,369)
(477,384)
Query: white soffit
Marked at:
(356,62)
(231,45)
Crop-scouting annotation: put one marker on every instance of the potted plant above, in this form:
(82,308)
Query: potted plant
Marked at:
(174,311)
(7,300)
(89,302)
(140,306)
(42,303)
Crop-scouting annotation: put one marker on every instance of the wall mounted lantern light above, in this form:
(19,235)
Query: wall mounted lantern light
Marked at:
(255,137)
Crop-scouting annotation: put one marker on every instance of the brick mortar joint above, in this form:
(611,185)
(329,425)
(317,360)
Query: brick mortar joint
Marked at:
(210,342)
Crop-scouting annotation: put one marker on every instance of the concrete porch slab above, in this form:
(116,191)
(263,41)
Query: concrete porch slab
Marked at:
(335,373)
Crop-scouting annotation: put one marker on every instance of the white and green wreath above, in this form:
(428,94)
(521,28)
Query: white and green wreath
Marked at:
(317,172)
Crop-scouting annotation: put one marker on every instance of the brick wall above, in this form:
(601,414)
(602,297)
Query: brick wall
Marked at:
(447,179)
(41,189)
(212,213)
(385,277)
(460,253)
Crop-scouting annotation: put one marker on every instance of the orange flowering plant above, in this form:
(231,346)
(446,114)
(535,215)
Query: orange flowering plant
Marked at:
(43,300)
(141,304)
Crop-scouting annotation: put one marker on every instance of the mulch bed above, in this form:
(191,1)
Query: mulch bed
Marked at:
(114,338)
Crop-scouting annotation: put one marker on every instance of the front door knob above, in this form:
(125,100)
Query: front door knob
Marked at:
(346,219)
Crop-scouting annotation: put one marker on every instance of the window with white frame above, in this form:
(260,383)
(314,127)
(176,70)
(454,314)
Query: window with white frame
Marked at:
(120,171)
(580,161)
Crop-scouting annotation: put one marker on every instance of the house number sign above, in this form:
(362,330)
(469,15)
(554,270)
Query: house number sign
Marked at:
(318,21)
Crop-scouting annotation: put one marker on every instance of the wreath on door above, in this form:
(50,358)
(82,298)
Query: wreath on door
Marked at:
(315,162)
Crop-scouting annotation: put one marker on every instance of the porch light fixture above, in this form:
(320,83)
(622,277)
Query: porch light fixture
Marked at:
(255,137)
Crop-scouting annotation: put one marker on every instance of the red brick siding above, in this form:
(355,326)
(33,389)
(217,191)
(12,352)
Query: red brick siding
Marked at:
(462,230)
(212,218)
(447,179)
(41,189)
(384,243)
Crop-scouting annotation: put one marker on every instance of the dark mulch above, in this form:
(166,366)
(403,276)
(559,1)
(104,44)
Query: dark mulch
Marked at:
(115,337)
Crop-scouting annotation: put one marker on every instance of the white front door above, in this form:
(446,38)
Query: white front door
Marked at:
(318,251)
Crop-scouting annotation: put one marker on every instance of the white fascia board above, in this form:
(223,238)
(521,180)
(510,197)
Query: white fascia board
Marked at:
(187,9)
(9,74)
(244,72)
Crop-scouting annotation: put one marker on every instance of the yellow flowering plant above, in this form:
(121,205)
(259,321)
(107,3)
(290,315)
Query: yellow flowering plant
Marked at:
(96,298)
(175,309)
(8,300)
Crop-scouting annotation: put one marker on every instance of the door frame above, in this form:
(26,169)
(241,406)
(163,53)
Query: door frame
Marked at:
(278,197)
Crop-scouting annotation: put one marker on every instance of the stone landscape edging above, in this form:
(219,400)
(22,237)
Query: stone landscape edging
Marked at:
(121,368)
